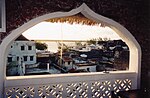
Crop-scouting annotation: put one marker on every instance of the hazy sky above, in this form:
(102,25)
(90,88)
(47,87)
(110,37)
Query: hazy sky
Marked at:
(65,31)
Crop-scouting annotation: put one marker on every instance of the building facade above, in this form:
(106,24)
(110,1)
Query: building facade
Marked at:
(22,51)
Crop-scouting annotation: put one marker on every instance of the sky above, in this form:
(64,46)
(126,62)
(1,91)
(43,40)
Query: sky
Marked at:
(65,31)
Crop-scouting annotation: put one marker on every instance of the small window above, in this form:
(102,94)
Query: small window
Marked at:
(29,47)
(9,59)
(22,47)
(31,58)
(69,63)
(17,58)
(25,58)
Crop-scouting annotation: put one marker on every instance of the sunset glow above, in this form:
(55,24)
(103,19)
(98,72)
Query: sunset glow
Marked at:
(65,31)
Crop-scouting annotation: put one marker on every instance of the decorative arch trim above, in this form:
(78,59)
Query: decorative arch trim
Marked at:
(135,50)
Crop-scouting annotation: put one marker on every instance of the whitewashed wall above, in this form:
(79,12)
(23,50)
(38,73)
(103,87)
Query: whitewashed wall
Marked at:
(16,51)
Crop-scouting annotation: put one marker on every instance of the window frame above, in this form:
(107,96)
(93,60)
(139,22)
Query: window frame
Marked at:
(135,57)
(31,58)
(10,59)
(22,48)
(25,58)
(29,47)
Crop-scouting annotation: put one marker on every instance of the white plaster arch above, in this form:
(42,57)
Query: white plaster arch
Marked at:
(135,50)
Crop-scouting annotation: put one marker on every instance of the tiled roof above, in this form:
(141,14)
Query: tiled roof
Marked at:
(22,38)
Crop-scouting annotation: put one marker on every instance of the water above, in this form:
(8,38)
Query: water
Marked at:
(53,46)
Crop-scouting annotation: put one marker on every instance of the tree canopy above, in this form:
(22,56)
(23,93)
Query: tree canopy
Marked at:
(41,46)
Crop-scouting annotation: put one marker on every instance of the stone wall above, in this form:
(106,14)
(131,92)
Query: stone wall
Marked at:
(132,14)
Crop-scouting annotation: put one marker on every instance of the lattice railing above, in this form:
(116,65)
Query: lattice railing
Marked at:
(100,88)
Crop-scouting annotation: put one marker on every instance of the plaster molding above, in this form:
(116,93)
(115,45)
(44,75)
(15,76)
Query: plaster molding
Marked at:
(135,50)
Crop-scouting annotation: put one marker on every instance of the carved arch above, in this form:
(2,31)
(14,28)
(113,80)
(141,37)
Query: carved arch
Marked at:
(135,49)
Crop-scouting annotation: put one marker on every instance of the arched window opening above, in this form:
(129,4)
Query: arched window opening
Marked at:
(73,44)
(103,82)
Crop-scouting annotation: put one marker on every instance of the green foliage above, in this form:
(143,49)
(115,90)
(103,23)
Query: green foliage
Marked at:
(92,41)
(41,46)
(106,39)
(97,40)
(78,43)
(63,46)
(12,64)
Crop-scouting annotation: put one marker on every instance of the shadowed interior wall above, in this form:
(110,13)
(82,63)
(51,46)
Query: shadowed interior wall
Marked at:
(132,14)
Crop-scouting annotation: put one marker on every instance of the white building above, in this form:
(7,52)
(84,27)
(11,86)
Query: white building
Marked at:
(86,66)
(22,50)
(67,62)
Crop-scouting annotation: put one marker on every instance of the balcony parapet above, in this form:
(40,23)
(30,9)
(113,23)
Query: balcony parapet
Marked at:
(85,85)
